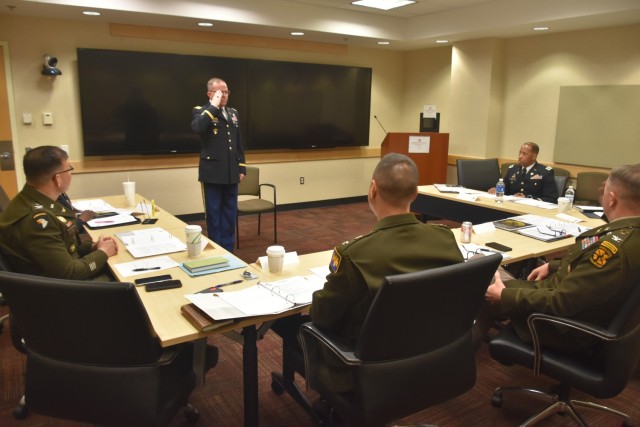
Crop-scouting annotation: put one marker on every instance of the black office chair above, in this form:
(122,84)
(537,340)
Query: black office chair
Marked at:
(602,373)
(92,354)
(481,174)
(414,349)
(561,176)
(251,186)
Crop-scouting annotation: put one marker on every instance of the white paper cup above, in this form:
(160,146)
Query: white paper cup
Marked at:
(193,238)
(130,192)
(563,204)
(275,257)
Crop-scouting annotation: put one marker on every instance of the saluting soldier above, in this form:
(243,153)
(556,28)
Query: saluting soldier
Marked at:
(528,178)
(592,282)
(221,165)
(39,235)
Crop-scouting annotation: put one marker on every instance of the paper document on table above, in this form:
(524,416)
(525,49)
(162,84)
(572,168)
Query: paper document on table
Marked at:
(322,272)
(549,229)
(258,300)
(126,269)
(96,205)
(469,250)
(112,221)
(150,242)
(289,258)
(535,203)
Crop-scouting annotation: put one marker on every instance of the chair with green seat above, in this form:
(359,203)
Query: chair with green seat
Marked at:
(561,176)
(251,186)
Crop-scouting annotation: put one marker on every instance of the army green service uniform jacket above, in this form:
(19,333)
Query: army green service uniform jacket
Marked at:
(39,236)
(397,244)
(538,183)
(590,284)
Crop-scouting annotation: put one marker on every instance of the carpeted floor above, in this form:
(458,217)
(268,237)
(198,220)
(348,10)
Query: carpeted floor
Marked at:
(220,400)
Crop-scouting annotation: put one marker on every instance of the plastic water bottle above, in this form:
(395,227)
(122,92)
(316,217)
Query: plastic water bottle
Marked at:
(570,194)
(500,191)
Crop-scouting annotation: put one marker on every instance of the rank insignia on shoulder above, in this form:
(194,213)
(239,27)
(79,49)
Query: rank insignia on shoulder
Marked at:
(62,219)
(548,168)
(336,258)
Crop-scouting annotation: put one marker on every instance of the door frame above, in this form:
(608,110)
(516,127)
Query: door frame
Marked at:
(17,172)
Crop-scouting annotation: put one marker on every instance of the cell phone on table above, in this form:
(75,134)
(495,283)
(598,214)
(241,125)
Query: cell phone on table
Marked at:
(163,284)
(498,246)
(151,279)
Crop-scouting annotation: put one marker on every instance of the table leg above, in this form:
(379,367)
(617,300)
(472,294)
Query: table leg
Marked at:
(250,376)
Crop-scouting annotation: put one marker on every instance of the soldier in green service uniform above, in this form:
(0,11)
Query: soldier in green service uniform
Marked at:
(39,235)
(591,283)
(398,243)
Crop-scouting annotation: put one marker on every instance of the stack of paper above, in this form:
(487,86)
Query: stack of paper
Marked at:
(150,241)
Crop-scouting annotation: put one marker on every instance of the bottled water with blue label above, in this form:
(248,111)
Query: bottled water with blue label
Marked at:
(500,191)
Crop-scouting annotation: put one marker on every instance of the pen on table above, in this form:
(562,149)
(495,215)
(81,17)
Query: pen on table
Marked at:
(105,222)
(153,208)
(146,268)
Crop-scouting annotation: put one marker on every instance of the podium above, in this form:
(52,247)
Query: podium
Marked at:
(432,166)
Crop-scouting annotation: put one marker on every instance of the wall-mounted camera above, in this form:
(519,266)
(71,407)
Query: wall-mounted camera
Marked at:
(49,66)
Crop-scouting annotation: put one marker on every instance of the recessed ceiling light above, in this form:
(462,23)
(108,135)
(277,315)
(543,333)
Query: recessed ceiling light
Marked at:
(382,4)
(91,13)
(297,33)
(383,43)
(540,28)
(205,24)
(442,41)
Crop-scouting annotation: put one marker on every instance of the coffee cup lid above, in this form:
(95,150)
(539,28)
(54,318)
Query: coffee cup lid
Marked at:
(193,228)
(275,249)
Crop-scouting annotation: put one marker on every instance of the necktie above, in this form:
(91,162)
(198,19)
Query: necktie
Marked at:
(224,113)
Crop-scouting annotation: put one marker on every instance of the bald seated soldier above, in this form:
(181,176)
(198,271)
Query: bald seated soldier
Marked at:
(590,284)
(39,235)
(398,243)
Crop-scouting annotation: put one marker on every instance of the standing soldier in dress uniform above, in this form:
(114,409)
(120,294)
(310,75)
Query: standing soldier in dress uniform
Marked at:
(529,178)
(39,235)
(591,283)
(221,165)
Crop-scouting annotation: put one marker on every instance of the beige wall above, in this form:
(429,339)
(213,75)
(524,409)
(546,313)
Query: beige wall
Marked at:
(492,94)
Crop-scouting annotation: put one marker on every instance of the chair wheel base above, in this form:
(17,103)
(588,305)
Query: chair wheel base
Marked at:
(496,400)
(20,412)
(191,413)
(276,385)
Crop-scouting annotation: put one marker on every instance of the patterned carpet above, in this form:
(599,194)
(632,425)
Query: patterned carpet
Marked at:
(220,400)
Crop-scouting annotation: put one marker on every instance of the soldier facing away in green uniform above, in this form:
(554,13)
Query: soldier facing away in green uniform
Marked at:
(38,234)
(590,284)
(397,244)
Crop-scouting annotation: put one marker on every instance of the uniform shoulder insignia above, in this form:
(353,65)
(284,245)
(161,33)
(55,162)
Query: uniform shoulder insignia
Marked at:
(548,168)
(603,254)
(197,108)
(336,258)
(41,219)
(510,166)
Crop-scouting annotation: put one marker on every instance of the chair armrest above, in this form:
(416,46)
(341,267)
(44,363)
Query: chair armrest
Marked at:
(587,328)
(273,187)
(312,340)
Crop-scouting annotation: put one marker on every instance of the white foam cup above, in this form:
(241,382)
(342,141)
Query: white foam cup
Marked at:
(275,257)
(193,238)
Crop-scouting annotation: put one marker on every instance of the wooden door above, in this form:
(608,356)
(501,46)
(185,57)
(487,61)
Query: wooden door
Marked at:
(7,166)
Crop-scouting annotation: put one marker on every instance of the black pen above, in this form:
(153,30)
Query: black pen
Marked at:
(235,282)
(146,268)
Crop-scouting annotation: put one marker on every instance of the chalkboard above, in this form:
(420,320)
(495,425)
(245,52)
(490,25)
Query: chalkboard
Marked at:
(598,125)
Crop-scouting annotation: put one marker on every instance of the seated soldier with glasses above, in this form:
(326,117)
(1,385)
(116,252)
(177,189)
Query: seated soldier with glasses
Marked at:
(39,235)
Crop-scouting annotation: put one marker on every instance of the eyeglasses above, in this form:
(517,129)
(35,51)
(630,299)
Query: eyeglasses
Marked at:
(61,172)
(552,230)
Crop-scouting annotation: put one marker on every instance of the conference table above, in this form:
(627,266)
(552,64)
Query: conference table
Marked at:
(163,307)
(484,209)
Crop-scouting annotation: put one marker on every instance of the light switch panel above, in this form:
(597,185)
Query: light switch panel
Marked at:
(47,118)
